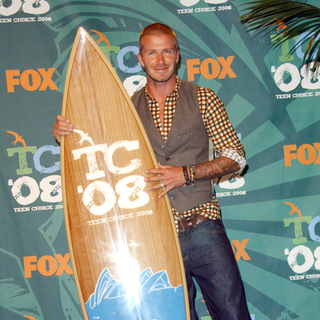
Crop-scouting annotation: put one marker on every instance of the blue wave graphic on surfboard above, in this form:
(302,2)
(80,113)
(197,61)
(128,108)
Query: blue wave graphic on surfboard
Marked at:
(153,299)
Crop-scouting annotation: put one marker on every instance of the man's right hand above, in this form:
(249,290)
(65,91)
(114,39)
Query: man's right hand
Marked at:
(62,127)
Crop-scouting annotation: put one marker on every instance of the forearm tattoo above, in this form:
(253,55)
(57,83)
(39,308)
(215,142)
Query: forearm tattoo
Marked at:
(216,168)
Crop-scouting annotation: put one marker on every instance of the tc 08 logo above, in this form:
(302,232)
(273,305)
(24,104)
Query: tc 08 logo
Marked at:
(129,189)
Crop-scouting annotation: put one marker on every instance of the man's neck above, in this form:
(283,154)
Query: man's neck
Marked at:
(160,90)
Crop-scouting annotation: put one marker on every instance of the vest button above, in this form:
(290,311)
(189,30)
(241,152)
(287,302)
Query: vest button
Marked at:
(168,158)
(172,197)
(162,147)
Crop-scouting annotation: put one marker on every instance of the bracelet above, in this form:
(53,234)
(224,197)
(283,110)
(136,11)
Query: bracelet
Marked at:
(189,175)
(192,172)
(186,174)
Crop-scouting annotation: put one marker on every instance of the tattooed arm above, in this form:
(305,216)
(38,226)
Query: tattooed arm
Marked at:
(216,168)
(170,177)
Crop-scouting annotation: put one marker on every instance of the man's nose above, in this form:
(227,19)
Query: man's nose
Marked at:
(160,58)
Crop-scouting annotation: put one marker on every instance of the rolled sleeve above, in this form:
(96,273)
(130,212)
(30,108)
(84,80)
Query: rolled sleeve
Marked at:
(220,131)
(235,156)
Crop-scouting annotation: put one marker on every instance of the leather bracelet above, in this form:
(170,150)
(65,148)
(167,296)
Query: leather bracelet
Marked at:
(186,174)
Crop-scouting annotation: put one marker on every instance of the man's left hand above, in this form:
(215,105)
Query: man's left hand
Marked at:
(169,177)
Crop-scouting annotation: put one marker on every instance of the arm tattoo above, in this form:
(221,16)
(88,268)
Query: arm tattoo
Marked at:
(216,168)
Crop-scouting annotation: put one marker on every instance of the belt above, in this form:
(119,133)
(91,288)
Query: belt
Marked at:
(189,222)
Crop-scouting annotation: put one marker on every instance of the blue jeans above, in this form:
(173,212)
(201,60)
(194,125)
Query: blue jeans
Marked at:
(209,259)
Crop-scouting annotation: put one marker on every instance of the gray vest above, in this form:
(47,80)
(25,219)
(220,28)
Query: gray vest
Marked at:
(187,143)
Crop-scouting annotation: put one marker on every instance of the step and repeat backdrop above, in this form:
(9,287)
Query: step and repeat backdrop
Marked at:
(271,211)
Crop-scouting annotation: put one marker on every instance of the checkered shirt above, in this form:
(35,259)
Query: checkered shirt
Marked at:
(220,132)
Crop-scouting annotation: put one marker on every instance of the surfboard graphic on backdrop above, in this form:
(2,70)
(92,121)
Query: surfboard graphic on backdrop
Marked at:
(125,252)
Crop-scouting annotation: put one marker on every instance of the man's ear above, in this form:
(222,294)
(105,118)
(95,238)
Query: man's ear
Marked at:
(178,56)
(140,59)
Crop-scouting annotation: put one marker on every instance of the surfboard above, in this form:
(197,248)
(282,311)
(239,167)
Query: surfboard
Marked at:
(122,240)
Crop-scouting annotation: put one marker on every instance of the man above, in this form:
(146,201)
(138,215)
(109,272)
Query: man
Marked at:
(180,118)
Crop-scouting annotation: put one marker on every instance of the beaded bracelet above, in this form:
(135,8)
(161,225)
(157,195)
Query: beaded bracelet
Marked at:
(192,179)
(186,174)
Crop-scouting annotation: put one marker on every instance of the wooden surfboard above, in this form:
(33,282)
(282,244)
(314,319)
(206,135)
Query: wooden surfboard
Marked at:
(123,244)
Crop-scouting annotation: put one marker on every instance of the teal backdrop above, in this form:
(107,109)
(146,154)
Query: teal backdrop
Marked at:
(271,211)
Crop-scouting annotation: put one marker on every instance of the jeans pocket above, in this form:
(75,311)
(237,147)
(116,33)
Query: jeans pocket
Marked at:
(211,226)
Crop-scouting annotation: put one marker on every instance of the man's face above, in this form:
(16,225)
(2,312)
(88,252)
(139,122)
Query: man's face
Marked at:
(159,57)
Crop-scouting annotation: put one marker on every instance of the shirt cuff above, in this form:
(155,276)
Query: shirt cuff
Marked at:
(234,155)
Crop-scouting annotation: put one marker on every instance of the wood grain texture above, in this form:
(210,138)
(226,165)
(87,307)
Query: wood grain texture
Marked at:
(112,221)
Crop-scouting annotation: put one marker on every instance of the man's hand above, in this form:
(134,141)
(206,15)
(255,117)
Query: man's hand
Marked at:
(169,177)
(62,127)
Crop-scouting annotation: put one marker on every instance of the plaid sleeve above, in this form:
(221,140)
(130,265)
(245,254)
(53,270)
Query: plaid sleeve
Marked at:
(224,137)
